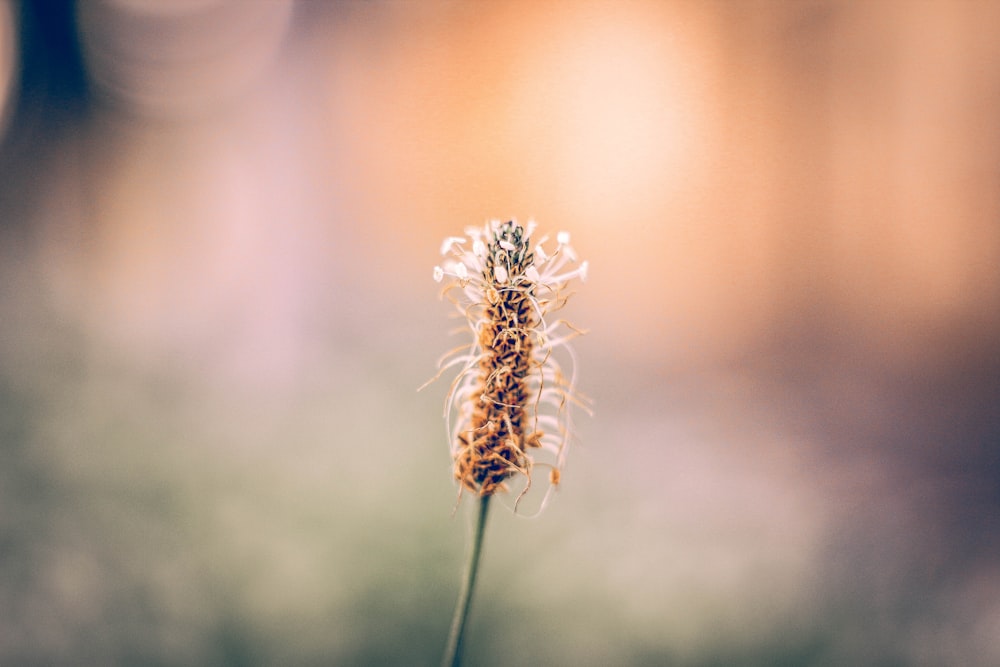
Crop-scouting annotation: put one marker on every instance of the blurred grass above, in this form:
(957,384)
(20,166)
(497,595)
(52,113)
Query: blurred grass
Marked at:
(157,513)
(151,517)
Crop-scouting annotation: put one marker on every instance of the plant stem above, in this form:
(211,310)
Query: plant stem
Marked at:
(453,650)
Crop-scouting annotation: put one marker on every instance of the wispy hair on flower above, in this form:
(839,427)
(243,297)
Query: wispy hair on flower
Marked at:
(508,409)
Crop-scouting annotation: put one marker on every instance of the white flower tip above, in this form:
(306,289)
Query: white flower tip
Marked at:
(531,273)
(500,273)
(479,248)
(461,271)
(584,265)
(562,238)
(438,274)
(529,228)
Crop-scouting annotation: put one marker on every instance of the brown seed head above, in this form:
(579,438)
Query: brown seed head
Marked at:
(494,446)
(512,396)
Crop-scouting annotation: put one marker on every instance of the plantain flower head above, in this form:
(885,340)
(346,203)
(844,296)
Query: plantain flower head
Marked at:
(507,410)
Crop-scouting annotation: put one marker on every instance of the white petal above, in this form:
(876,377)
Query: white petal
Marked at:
(438,274)
(500,273)
(562,238)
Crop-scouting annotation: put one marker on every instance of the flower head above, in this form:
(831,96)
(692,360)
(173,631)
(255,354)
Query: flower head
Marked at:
(510,400)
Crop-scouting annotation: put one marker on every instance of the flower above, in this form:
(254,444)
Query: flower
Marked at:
(511,397)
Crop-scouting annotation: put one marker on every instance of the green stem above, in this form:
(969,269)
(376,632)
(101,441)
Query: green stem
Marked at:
(453,650)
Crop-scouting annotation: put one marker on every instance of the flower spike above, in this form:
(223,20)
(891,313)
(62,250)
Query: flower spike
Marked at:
(510,400)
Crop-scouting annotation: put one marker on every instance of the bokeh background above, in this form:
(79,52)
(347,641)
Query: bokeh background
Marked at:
(218,220)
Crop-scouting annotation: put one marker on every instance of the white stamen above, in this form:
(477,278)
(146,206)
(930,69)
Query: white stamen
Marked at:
(562,238)
(450,242)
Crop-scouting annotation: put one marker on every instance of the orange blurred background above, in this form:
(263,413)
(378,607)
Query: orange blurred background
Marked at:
(218,221)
